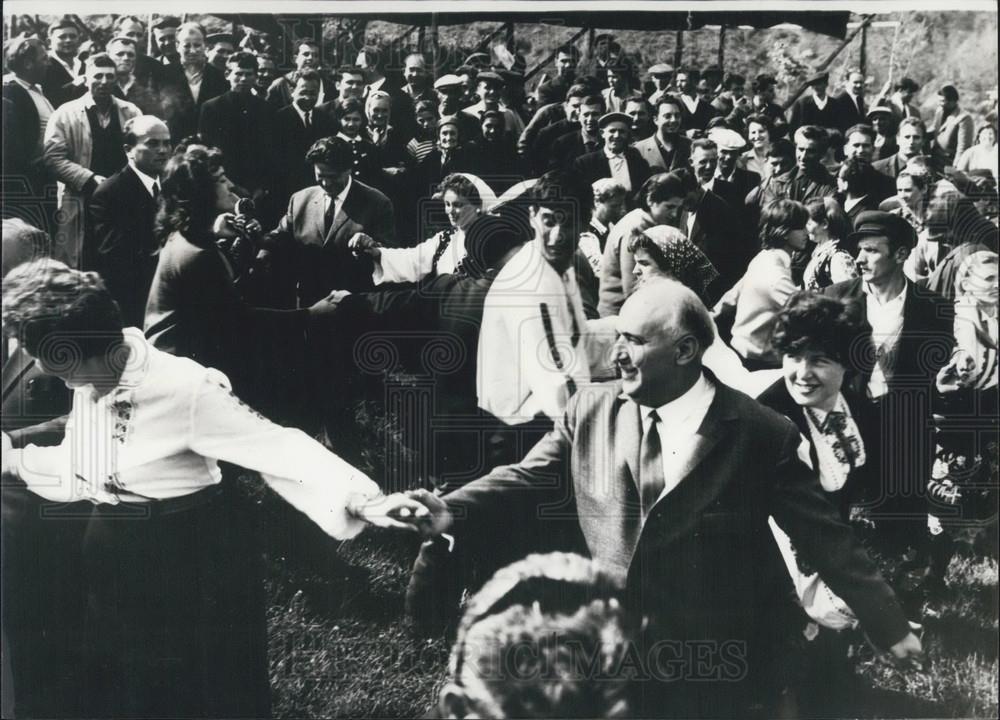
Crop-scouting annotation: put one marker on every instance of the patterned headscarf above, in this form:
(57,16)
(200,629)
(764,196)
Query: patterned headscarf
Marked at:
(684,261)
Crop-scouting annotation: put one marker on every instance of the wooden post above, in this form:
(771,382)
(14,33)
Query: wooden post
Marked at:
(826,63)
(421,39)
(435,46)
(722,48)
(863,61)
(678,48)
(149,36)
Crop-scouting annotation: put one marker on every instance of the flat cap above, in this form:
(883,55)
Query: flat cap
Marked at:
(876,223)
(167,21)
(661,69)
(220,37)
(611,117)
(490,76)
(881,110)
(447,81)
(727,139)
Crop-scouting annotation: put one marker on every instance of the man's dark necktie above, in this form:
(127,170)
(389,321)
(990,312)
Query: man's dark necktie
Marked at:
(156,190)
(844,448)
(328,216)
(307,118)
(651,481)
(590,146)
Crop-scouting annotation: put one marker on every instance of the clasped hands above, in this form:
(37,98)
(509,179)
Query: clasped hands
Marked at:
(362,243)
(416,510)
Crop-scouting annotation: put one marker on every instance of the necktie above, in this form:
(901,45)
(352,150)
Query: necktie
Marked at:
(308,119)
(331,212)
(156,189)
(590,146)
(651,480)
(844,447)
(376,136)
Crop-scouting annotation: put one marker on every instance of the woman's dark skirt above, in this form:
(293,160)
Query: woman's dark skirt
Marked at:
(175,623)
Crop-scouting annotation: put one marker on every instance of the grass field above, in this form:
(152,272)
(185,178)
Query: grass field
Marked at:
(340,646)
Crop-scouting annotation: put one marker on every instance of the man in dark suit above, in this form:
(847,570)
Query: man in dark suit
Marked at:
(586,138)
(696,111)
(910,137)
(308,56)
(912,337)
(311,240)
(241,124)
(120,244)
(616,159)
(859,142)
(63,67)
(535,143)
(849,106)
(189,85)
(731,146)
(23,170)
(666,149)
(817,108)
(296,127)
(554,90)
(670,477)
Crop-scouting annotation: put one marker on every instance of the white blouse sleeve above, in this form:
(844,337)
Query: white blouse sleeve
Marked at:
(406,264)
(47,471)
(303,472)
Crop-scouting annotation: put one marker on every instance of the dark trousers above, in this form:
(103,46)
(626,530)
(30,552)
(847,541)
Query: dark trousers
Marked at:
(175,621)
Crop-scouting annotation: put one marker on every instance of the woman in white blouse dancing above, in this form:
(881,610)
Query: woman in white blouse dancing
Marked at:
(175,614)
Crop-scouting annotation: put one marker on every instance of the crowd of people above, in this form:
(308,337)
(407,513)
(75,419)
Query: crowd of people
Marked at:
(721,348)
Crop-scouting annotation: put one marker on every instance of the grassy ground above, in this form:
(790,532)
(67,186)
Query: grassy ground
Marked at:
(340,646)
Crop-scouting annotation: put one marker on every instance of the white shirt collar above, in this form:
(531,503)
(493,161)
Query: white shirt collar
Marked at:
(873,296)
(348,139)
(26,85)
(339,199)
(675,412)
(147,180)
(608,154)
(598,225)
(301,112)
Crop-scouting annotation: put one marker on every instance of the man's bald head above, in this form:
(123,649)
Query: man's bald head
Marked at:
(147,144)
(663,330)
(666,305)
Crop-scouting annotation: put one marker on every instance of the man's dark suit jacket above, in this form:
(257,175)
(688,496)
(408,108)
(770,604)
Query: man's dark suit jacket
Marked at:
(699,119)
(54,83)
(806,112)
(718,233)
(653,153)
(568,148)
(242,126)
(180,110)
(704,566)
(846,113)
(925,342)
(119,243)
(320,259)
(891,166)
(23,169)
(743,181)
(539,151)
(594,166)
(862,482)
(294,141)
(924,347)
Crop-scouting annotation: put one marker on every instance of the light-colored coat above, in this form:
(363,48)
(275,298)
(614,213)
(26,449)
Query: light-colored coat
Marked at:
(67,154)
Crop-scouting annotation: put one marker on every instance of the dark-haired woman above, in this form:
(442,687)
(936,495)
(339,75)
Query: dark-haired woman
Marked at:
(828,228)
(815,336)
(442,252)
(765,288)
(194,309)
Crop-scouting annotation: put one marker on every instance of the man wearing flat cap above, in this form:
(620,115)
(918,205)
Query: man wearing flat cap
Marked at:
(731,146)
(884,121)
(663,77)
(616,159)
(220,47)
(449,89)
(165,40)
(911,339)
(489,86)
(816,108)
